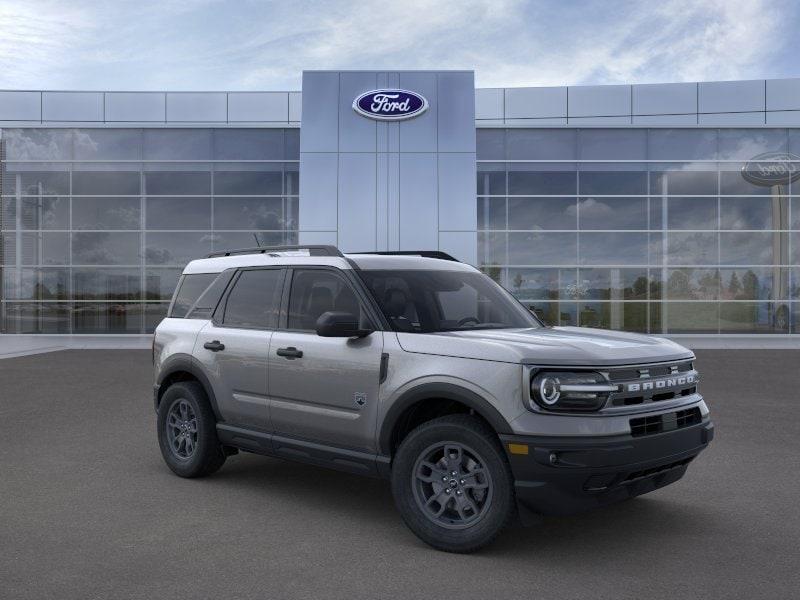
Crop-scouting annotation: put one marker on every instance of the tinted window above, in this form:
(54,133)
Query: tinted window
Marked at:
(318,291)
(433,301)
(253,301)
(189,290)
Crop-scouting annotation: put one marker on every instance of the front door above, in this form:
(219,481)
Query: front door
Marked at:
(233,348)
(324,389)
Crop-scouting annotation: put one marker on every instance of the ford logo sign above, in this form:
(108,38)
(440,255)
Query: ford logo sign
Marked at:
(772,168)
(390,105)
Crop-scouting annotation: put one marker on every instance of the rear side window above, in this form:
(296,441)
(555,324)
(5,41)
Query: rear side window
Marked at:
(189,290)
(253,302)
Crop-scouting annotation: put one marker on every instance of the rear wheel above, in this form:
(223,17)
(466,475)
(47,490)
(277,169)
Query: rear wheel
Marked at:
(187,432)
(452,484)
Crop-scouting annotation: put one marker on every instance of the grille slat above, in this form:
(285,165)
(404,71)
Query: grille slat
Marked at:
(654,424)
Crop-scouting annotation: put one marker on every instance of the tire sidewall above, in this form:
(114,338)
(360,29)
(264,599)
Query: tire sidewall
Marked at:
(472,433)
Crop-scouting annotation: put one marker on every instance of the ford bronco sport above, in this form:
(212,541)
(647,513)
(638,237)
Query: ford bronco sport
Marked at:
(418,368)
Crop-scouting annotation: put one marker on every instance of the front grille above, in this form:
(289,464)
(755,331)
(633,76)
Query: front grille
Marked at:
(653,383)
(667,422)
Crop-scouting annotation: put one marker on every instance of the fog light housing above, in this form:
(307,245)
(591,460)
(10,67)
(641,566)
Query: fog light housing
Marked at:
(570,390)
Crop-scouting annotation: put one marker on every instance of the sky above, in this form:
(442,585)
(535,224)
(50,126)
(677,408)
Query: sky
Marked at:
(263,45)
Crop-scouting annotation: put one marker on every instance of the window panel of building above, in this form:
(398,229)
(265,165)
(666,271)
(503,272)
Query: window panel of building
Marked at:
(542,213)
(542,248)
(523,180)
(491,213)
(249,213)
(176,248)
(249,144)
(106,248)
(44,212)
(264,181)
(692,213)
(612,144)
(107,317)
(541,284)
(613,248)
(612,213)
(177,183)
(177,213)
(159,284)
(101,183)
(177,144)
(95,213)
(106,284)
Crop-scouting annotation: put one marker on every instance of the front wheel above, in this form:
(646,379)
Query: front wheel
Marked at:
(452,484)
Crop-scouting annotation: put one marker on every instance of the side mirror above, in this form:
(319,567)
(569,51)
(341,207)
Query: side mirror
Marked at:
(340,324)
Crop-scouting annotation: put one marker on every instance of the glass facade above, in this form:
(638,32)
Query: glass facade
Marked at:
(647,230)
(97,224)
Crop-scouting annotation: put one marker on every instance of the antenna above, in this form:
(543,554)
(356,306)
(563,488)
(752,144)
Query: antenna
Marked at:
(255,235)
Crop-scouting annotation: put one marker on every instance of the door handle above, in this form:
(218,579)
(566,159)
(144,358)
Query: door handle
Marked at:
(290,352)
(214,346)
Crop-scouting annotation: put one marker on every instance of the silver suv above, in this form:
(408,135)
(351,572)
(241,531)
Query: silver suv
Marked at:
(418,368)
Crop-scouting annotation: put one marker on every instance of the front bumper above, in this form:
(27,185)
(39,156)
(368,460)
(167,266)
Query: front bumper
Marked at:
(564,475)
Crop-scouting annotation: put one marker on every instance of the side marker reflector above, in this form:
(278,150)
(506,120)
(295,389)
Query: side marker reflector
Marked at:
(518,448)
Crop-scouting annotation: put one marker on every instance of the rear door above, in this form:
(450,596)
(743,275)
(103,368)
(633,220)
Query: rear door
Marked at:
(233,347)
(324,389)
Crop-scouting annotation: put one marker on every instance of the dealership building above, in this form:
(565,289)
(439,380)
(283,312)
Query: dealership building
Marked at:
(663,208)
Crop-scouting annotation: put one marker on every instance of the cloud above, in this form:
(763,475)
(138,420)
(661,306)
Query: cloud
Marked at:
(210,44)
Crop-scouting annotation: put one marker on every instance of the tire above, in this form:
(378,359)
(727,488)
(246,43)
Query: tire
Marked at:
(189,444)
(480,503)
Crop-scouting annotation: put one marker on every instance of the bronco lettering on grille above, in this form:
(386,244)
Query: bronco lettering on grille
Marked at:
(659,384)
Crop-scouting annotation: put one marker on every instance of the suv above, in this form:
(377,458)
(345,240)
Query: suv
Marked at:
(418,368)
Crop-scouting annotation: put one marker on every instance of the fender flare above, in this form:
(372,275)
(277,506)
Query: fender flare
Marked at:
(447,391)
(184,362)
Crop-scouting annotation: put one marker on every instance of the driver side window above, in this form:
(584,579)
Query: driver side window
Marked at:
(316,291)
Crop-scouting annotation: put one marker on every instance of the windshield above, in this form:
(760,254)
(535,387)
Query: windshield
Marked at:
(433,301)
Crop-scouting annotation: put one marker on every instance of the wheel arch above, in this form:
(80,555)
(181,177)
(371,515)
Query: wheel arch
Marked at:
(412,400)
(182,368)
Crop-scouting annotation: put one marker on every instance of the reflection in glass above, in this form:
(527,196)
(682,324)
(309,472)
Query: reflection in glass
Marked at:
(679,182)
(99,317)
(177,183)
(44,212)
(542,248)
(38,144)
(106,284)
(105,248)
(542,213)
(754,317)
(541,284)
(692,248)
(613,248)
(693,284)
(248,213)
(45,248)
(106,213)
(491,180)
(692,213)
(491,213)
(613,284)
(178,213)
(176,248)
(34,317)
(754,213)
(251,183)
(249,144)
(111,183)
(612,213)
(690,317)
(611,183)
(612,144)
(159,284)
(749,248)
(628,316)
(523,182)
(154,313)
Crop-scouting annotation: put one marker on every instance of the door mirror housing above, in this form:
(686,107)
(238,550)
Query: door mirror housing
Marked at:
(340,324)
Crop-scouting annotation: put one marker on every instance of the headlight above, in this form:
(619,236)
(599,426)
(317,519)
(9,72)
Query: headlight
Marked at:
(565,390)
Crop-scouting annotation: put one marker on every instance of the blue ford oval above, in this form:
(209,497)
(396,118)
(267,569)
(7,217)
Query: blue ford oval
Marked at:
(390,105)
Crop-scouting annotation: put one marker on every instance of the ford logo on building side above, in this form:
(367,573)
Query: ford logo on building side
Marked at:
(390,105)
(772,168)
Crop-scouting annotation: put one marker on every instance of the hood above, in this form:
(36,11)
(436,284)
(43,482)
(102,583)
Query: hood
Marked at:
(547,346)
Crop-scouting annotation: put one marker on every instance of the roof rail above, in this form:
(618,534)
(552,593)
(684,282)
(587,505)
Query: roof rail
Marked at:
(423,253)
(313,250)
